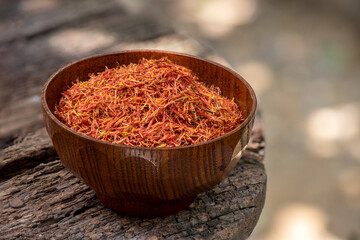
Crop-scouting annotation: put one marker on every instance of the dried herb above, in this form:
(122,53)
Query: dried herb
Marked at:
(155,103)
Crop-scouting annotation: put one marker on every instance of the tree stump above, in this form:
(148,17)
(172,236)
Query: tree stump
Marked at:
(48,201)
(39,198)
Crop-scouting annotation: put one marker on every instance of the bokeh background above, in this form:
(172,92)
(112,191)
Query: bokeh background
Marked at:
(302,58)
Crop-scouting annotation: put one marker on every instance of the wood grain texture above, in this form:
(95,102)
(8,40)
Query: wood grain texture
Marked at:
(149,181)
(49,202)
(27,152)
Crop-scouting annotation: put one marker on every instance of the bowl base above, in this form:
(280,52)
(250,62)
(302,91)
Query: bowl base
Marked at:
(145,209)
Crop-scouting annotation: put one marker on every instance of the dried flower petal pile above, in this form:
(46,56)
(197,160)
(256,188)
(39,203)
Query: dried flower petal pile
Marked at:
(155,103)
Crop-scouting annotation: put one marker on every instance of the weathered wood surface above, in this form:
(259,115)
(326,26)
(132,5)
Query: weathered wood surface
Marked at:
(33,149)
(39,198)
(48,201)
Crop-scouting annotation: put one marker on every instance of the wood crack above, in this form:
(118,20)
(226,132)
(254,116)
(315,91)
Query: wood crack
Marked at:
(27,153)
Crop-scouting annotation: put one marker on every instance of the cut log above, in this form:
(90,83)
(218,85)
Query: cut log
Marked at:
(39,198)
(48,202)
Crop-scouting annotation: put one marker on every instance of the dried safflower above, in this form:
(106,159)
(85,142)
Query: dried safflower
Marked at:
(155,103)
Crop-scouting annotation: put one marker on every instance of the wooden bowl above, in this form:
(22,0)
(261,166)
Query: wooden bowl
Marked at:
(142,181)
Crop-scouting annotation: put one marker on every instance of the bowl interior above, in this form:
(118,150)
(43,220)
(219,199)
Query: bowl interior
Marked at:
(231,84)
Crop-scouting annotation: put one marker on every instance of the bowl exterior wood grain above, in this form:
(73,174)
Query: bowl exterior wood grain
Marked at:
(142,181)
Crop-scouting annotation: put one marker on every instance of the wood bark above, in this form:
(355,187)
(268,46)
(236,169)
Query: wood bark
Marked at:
(48,201)
(39,198)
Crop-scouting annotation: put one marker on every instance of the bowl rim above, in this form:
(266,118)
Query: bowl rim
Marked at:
(65,127)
